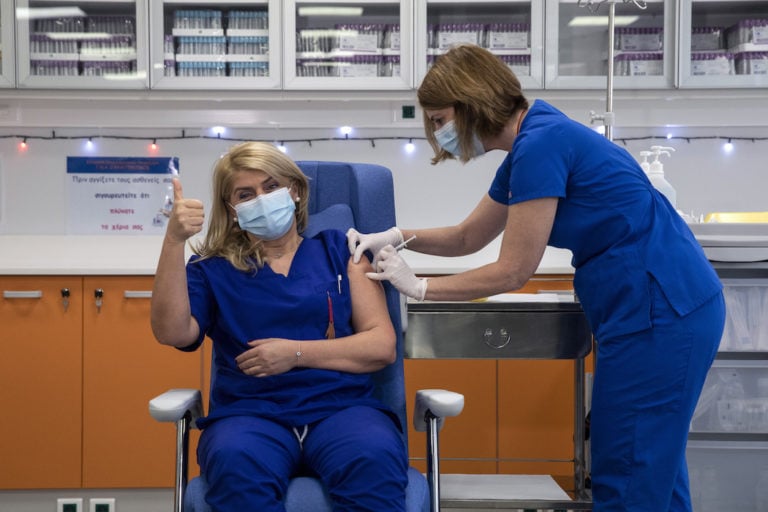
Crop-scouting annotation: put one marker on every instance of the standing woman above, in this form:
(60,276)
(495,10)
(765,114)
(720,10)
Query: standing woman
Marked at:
(652,299)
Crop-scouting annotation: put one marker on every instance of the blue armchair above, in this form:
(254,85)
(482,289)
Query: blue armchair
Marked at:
(342,195)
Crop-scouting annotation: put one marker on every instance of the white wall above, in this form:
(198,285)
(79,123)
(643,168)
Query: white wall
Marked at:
(33,197)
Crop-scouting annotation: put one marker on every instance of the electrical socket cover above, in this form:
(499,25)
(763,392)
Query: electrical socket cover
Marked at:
(69,505)
(102,505)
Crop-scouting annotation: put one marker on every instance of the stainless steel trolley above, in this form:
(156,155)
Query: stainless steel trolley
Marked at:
(506,330)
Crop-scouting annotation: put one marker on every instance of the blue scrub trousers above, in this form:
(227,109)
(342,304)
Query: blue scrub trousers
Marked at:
(645,390)
(358,453)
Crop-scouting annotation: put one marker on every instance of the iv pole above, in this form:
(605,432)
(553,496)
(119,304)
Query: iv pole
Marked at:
(608,117)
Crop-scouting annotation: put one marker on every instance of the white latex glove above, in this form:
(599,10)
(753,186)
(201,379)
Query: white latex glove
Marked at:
(393,268)
(359,243)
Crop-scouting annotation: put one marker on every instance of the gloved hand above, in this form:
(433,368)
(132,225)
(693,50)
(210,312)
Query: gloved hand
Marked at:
(359,243)
(393,268)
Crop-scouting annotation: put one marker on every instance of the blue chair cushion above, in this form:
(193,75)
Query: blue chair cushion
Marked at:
(336,216)
(306,494)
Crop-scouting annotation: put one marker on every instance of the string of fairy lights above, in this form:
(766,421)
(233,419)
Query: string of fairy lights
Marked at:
(153,142)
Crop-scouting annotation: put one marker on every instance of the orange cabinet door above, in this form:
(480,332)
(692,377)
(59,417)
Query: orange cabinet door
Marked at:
(468,441)
(41,380)
(536,417)
(123,368)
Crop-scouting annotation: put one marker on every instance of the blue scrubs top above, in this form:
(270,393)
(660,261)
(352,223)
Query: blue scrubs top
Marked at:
(234,307)
(621,230)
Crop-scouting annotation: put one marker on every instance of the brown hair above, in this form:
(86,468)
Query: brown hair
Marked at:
(482,89)
(224,237)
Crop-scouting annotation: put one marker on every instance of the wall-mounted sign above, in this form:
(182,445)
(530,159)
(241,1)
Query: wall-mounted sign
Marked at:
(120,195)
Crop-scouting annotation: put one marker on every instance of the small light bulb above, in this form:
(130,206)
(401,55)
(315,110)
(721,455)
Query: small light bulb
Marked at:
(282,147)
(410,147)
(728,146)
(345,130)
(153,146)
(23,144)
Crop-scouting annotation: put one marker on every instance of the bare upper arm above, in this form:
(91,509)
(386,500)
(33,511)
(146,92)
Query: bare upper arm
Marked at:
(369,304)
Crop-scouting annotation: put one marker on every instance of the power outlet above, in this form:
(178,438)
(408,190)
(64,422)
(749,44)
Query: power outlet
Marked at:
(69,505)
(102,505)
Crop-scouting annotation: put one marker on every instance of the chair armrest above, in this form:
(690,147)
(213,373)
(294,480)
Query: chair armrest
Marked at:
(439,402)
(175,403)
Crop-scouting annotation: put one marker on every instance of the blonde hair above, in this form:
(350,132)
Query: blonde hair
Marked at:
(483,91)
(224,237)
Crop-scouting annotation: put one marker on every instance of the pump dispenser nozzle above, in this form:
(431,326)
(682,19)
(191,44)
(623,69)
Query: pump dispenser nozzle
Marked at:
(656,174)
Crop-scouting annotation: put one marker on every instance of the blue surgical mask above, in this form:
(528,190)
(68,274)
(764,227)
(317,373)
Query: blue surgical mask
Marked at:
(448,139)
(268,216)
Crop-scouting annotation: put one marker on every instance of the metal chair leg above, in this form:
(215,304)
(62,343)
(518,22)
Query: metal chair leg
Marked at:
(433,462)
(182,448)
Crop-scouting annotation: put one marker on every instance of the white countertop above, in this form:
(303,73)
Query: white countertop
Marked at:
(137,255)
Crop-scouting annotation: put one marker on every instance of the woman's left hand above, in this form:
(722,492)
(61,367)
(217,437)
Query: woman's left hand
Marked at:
(268,356)
(393,268)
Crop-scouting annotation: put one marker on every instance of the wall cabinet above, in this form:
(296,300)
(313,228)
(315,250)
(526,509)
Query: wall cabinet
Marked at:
(377,44)
(513,30)
(80,356)
(577,46)
(222,45)
(7,47)
(88,45)
(729,431)
(349,45)
(723,44)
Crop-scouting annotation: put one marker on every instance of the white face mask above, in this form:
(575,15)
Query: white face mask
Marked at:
(448,139)
(268,216)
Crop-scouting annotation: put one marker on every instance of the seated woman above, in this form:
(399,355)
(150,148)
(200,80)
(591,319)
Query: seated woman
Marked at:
(297,329)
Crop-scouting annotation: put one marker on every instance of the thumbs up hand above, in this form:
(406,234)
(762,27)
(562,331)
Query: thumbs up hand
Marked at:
(187,216)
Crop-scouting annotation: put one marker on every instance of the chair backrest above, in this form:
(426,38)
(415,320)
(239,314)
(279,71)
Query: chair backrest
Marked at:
(344,195)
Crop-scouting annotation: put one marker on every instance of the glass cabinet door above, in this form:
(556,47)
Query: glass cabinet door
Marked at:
(348,44)
(511,29)
(7,63)
(233,44)
(577,44)
(95,44)
(724,43)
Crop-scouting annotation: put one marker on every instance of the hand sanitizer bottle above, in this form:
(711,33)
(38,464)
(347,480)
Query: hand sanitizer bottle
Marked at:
(656,174)
(644,164)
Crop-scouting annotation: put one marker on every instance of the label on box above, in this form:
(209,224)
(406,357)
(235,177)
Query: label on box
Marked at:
(447,39)
(646,68)
(710,67)
(641,42)
(508,40)
(355,41)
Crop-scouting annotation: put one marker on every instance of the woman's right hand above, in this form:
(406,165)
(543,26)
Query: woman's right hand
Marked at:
(374,242)
(186,217)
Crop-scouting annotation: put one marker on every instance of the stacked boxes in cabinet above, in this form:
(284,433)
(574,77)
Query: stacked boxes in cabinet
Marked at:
(639,51)
(740,49)
(214,43)
(83,46)
(511,42)
(349,50)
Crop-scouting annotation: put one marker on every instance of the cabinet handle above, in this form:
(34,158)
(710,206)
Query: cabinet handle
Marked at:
(98,295)
(30,294)
(137,294)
